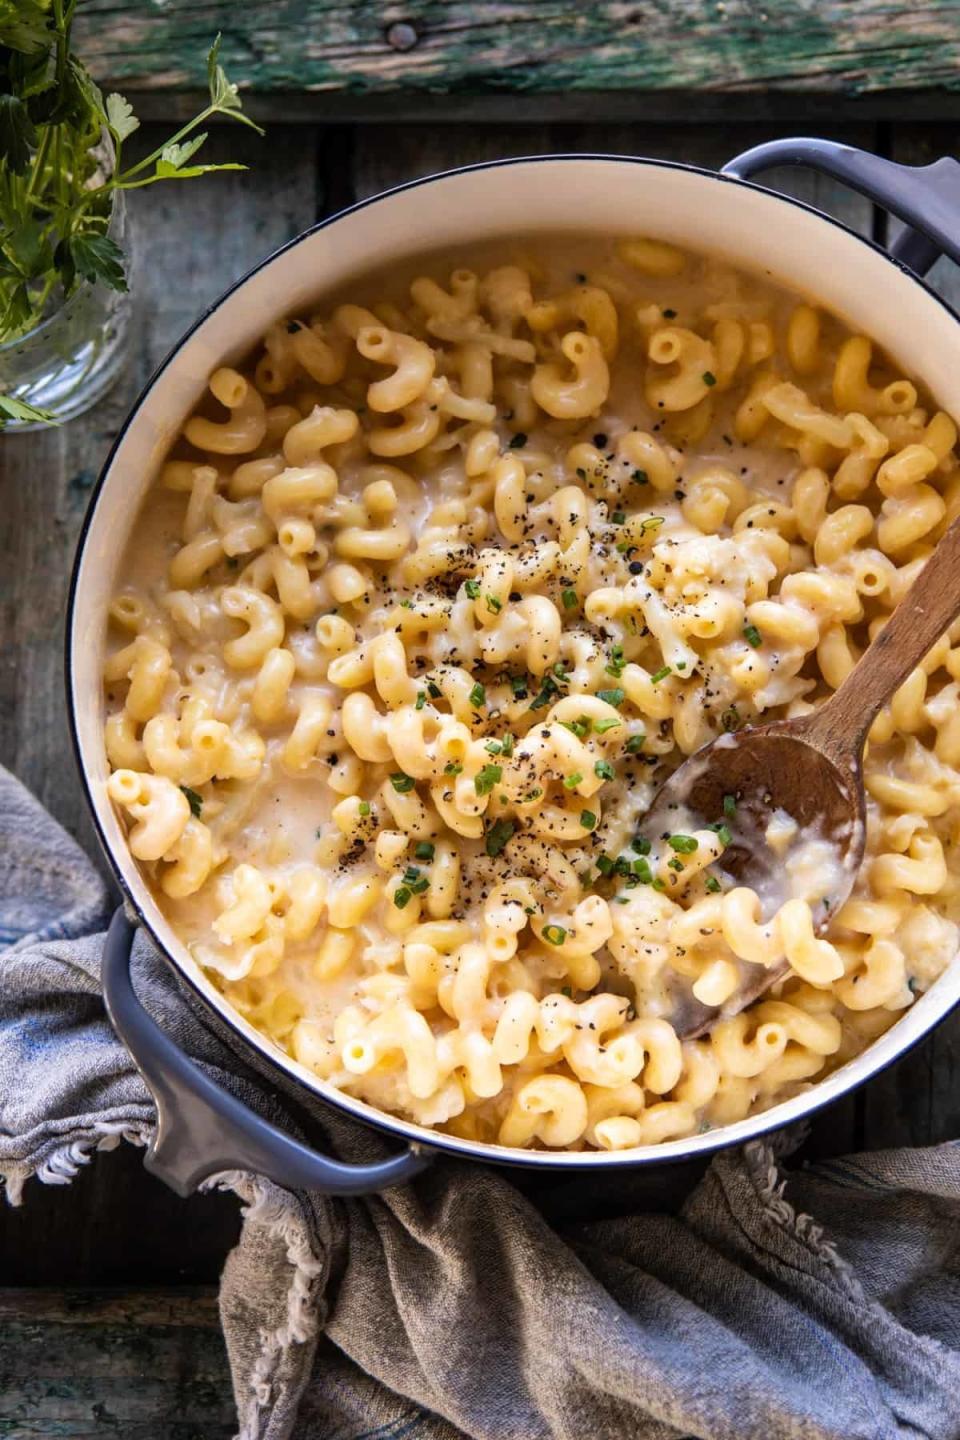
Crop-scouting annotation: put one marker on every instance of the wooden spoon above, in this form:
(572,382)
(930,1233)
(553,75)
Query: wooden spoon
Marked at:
(811,767)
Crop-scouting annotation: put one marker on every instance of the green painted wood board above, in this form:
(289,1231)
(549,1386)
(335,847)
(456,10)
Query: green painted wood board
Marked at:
(525,48)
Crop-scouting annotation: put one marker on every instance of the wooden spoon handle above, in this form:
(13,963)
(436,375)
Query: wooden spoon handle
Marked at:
(930,605)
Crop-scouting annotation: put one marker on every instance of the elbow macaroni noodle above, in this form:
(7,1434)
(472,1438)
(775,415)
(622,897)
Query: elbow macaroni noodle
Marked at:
(431,595)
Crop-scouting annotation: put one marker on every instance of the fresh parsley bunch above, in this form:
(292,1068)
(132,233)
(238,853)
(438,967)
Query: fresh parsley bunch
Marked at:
(61,162)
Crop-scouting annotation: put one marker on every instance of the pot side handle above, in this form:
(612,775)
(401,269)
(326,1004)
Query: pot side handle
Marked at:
(203,1130)
(925,197)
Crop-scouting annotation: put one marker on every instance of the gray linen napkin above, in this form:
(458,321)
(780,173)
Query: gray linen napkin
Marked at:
(819,1304)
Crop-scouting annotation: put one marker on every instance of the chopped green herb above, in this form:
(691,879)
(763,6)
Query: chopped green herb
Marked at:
(518,684)
(554,934)
(478,696)
(453,767)
(506,745)
(576,727)
(642,869)
(433,690)
(619,517)
(683,844)
(659,883)
(547,691)
(616,664)
(752,636)
(572,781)
(712,884)
(498,836)
(709,378)
(587,819)
(486,778)
(517,441)
(640,477)
(730,805)
(635,744)
(406,604)
(493,747)
(534,794)
(604,864)
(493,604)
(401,897)
(641,844)
(602,726)
(364,808)
(614,697)
(724,834)
(194,800)
(730,719)
(675,864)
(604,770)
(401,783)
(472,588)
(423,850)
(421,700)
(569,598)
(661,674)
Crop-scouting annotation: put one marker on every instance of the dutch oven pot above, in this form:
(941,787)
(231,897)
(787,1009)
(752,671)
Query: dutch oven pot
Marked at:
(202,1130)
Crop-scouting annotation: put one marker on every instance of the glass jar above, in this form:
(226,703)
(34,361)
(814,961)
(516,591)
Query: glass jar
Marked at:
(72,358)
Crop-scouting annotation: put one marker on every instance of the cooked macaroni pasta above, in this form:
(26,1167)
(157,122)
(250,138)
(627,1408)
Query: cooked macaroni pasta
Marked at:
(432,594)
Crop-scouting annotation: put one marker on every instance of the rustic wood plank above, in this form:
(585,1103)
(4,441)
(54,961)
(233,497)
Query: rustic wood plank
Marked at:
(150,1366)
(522,46)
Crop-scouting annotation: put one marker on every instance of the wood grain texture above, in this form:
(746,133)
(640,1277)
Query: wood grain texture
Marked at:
(850,47)
(145,1366)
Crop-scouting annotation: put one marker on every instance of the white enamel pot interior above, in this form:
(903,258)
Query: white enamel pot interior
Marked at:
(751,227)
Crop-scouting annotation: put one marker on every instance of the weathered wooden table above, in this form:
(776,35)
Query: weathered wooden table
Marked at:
(108,1319)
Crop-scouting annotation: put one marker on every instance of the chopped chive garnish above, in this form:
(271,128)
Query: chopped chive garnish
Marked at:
(423,850)
(752,636)
(194,800)
(661,674)
(401,897)
(406,604)
(499,834)
(604,864)
(724,834)
(517,441)
(635,744)
(730,805)
(614,697)
(506,745)
(569,598)
(421,700)
(640,477)
(401,783)
(619,517)
(659,883)
(478,696)
(486,778)
(364,808)
(453,767)
(587,819)
(709,378)
(683,844)
(675,864)
(641,844)
(602,726)
(572,781)
(493,604)
(518,684)
(615,665)
(472,588)
(554,934)
(642,869)
(604,770)
(712,884)
(730,719)
(433,690)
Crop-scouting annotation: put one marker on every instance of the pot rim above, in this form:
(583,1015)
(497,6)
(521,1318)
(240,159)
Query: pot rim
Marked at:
(822,1094)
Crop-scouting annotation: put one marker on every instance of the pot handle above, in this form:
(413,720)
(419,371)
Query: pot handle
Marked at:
(201,1129)
(925,197)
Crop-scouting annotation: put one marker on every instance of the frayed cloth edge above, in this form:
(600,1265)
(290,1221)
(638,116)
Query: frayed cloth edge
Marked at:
(60,1163)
